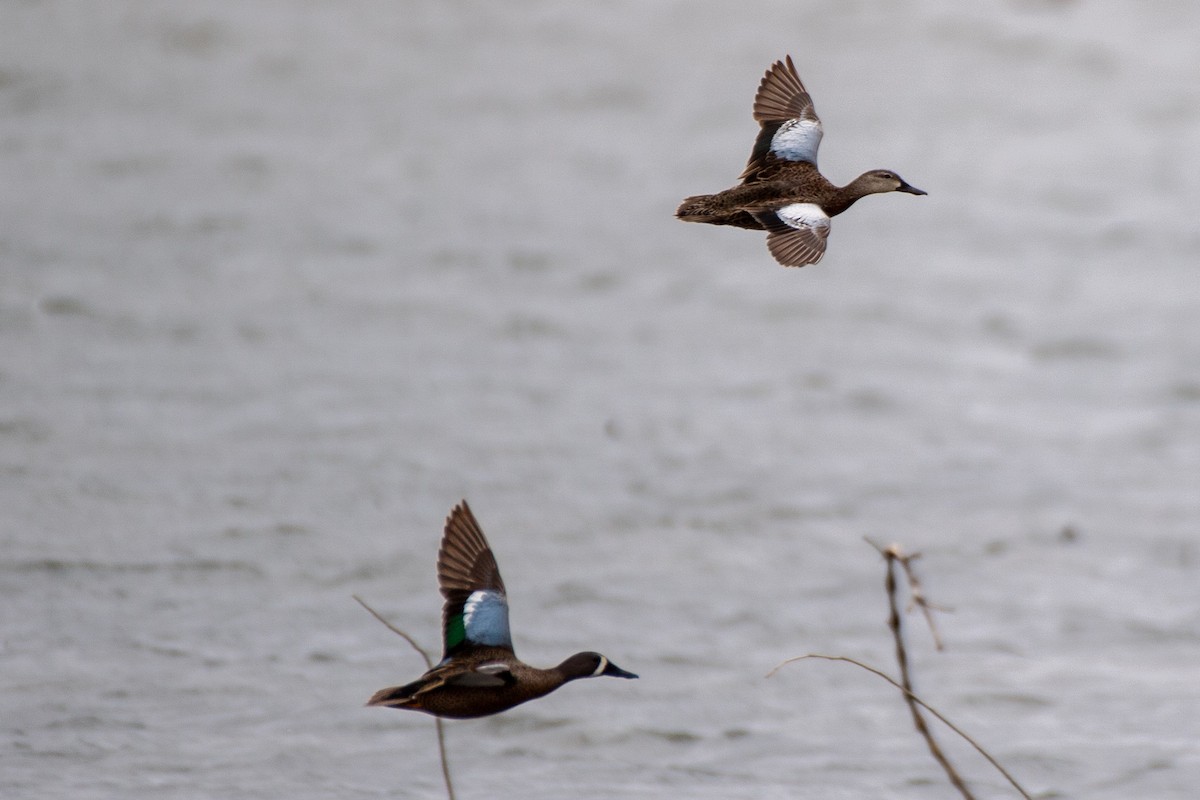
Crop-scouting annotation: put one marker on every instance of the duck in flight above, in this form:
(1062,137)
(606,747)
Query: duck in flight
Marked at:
(479,673)
(781,190)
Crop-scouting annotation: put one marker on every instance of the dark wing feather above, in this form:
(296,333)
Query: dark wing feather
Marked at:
(793,248)
(465,561)
(781,95)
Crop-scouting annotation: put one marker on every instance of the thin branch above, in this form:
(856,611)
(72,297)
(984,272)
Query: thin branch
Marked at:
(893,555)
(941,718)
(424,653)
(916,590)
(437,721)
(917,596)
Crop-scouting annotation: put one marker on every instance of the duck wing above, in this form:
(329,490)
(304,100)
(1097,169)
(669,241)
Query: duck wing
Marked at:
(475,613)
(796,233)
(486,675)
(492,674)
(791,130)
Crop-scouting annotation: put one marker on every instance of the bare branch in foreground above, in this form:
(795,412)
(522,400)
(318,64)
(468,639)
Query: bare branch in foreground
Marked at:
(916,590)
(437,721)
(916,699)
(893,554)
(413,642)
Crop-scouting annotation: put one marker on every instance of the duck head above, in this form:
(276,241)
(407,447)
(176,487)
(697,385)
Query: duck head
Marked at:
(591,665)
(878,181)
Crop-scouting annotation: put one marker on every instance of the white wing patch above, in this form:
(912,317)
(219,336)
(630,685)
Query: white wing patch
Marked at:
(797,140)
(805,216)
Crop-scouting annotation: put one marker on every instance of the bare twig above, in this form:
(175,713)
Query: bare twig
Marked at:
(441,734)
(916,590)
(917,594)
(893,554)
(908,693)
(424,653)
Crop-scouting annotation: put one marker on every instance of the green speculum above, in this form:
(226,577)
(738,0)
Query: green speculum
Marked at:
(456,632)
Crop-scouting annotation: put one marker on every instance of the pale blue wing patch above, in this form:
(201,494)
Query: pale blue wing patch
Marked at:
(797,140)
(485,618)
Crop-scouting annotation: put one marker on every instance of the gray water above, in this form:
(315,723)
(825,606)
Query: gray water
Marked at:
(281,282)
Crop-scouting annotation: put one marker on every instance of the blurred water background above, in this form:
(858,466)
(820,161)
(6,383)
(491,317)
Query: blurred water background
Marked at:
(282,282)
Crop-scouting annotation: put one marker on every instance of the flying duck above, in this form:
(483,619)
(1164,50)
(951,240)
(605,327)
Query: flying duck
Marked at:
(479,673)
(781,190)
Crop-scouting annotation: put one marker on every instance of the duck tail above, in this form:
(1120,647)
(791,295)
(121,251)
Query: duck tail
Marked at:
(394,696)
(701,208)
(697,208)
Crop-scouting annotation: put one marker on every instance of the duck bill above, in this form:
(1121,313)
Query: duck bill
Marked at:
(616,672)
(904,187)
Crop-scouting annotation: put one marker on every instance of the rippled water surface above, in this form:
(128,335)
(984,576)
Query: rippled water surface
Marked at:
(281,282)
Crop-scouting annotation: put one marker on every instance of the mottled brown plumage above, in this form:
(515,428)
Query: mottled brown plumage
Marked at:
(781,189)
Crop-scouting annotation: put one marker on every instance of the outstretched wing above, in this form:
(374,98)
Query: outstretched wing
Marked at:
(796,233)
(476,610)
(791,130)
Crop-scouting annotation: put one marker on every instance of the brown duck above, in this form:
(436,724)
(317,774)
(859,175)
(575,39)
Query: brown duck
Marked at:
(479,673)
(781,190)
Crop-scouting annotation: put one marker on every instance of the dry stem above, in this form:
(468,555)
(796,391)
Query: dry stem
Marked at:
(916,699)
(893,554)
(441,734)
